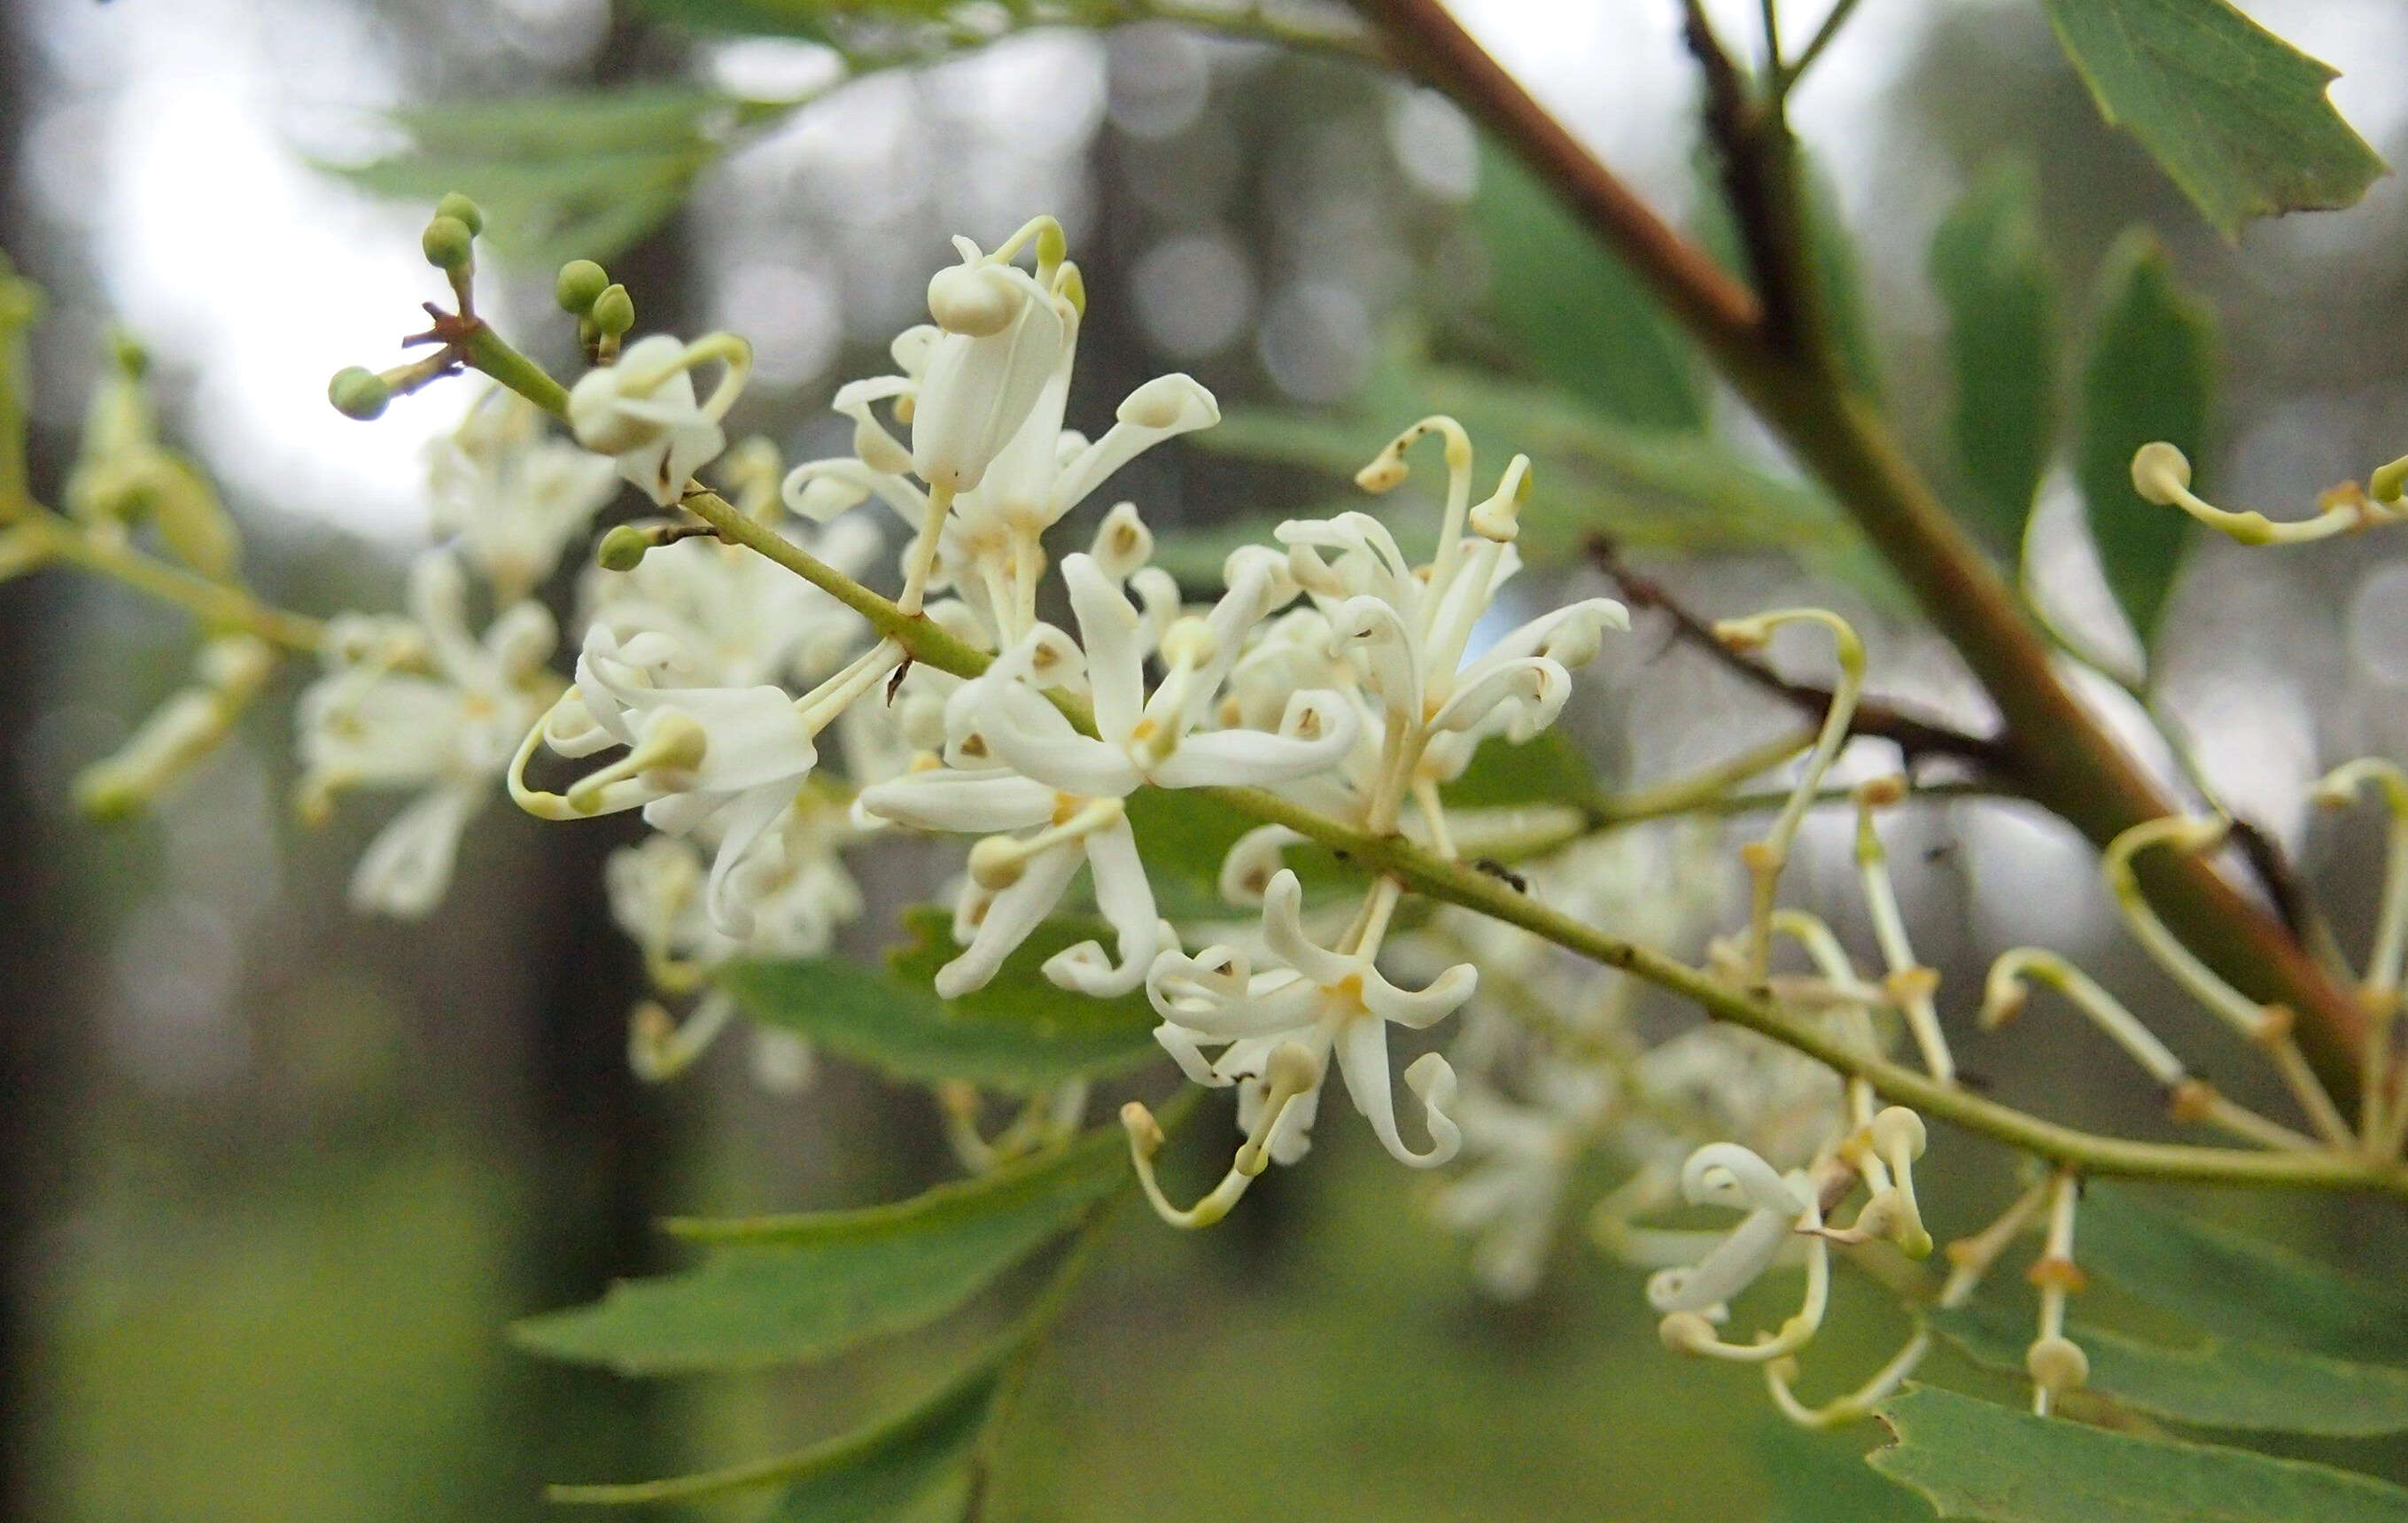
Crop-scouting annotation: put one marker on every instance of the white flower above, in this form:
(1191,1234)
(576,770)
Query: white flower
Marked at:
(1325,1003)
(421,704)
(1025,482)
(1002,340)
(740,618)
(1067,787)
(229,672)
(642,410)
(734,757)
(1512,1196)
(1776,1208)
(511,493)
(796,891)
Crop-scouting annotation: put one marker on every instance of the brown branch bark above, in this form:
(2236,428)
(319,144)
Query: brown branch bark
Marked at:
(2060,753)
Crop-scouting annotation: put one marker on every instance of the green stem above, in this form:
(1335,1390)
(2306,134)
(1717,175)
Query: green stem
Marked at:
(213,603)
(1460,884)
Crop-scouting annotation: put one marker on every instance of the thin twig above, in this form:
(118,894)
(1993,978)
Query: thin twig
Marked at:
(1914,736)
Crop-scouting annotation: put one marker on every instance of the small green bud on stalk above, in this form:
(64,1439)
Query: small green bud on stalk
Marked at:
(623,549)
(463,210)
(614,312)
(359,392)
(580,282)
(449,244)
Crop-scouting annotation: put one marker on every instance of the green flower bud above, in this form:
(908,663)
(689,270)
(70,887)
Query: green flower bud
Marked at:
(614,312)
(581,281)
(463,210)
(448,243)
(358,393)
(623,549)
(127,351)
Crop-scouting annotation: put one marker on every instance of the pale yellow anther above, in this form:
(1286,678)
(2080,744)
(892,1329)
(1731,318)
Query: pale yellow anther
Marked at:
(1188,642)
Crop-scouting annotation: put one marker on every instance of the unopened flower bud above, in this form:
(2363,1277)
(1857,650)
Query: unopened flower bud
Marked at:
(613,311)
(581,281)
(462,210)
(448,243)
(623,549)
(359,392)
(2058,1364)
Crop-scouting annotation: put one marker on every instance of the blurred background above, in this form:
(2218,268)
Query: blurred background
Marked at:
(275,1176)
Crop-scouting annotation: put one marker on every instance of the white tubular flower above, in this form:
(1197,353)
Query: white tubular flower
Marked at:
(738,617)
(734,757)
(642,410)
(1409,627)
(985,391)
(1323,1002)
(512,494)
(1694,1299)
(1003,339)
(422,705)
(1143,739)
(1015,881)
(795,888)
(1512,1198)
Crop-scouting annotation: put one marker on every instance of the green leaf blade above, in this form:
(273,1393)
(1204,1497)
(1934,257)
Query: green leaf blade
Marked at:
(1019,1033)
(1974,1459)
(2236,115)
(2215,1382)
(2236,1284)
(1577,317)
(1986,266)
(2150,375)
(799,1293)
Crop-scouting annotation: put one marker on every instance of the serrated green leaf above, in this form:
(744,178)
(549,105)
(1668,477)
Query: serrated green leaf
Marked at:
(886,1470)
(1019,1033)
(2150,375)
(1976,1460)
(1818,1476)
(1988,266)
(2211,1383)
(564,176)
(826,1288)
(2238,116)
(2234,1284)
(1576,316)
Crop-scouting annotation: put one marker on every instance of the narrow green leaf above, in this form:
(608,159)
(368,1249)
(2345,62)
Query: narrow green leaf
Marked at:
(2236,1284)
(876,1472)
(564,177)
(1578,319)
(1976,1460)
(1547,770)
(1083,1170)
(1184,836)
(804,1290)
(2150,375)
(2214,1383)
(1988,268)
(2238,116)
(1690,494)
(1019,1033)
